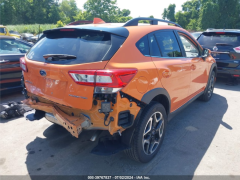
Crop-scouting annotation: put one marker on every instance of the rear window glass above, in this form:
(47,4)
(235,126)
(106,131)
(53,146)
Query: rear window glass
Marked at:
(211,39)
(155,52)
(87,46)
(143,46)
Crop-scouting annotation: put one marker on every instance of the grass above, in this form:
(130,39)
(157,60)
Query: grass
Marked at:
(31,28)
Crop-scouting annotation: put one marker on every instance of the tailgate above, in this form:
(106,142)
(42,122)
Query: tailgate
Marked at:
(226,59)
(63,50)
(53,82)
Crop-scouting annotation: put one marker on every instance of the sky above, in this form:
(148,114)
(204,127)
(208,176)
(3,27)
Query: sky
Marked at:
(143,8)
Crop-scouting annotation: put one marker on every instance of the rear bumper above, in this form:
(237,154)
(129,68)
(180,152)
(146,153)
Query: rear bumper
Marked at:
(71,123)
(223,71)
(74,120)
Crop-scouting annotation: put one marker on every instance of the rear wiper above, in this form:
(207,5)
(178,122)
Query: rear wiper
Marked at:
(223,44)
(56,57)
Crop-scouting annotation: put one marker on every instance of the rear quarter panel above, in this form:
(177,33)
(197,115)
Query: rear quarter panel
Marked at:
(128,56)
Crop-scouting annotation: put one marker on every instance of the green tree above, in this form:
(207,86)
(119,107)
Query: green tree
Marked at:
(104,9)
(54,15)
(164,14)
(171,12)
(228,13)
(125,12)
(193,25)
(68,10)
(208,15)
(181,19)
(82,15)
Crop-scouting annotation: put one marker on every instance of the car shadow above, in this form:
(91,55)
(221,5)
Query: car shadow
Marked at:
(222,83)
(187,139)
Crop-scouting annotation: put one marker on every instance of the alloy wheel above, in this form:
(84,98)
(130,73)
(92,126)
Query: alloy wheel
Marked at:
(211,86)
(153,133)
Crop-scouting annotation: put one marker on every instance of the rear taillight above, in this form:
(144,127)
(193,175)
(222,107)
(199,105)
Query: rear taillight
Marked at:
(237,49)
(220,32)
(104,81)
(23,64)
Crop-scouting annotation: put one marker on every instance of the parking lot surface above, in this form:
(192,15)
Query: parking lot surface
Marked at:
(204,139)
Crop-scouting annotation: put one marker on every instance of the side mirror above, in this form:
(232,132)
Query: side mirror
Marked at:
(205,53)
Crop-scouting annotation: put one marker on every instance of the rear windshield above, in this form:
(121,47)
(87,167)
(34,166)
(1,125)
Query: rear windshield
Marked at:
(86,45)
(211,39)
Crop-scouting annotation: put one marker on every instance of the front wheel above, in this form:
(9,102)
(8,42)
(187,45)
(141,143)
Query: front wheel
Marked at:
(206,96)
(149,133)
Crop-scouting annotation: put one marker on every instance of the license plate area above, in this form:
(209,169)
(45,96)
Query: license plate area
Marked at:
(55,88)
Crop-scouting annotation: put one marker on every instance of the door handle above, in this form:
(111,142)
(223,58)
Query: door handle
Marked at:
(193,67)
(166,73)
(4,61)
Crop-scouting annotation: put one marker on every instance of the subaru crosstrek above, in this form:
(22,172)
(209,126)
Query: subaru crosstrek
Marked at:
(128,79)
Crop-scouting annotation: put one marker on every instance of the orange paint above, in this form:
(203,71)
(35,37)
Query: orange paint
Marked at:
(182,78)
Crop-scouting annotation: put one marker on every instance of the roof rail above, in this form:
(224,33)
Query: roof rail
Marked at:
(153,21)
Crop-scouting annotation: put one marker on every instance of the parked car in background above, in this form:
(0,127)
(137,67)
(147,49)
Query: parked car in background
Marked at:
(11,50)
(35,38)
(225,47)
(27,37)
(4,32)
(128,79)
(16,33)
(196,34)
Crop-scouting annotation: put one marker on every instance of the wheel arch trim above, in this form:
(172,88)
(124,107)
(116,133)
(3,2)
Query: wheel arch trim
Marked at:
(150,95)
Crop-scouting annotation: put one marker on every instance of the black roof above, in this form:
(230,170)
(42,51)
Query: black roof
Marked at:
(223,30)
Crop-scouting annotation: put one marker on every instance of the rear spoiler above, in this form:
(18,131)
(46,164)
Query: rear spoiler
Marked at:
(120,31)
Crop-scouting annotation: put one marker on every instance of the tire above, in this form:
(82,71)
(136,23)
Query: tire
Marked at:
(207,95)
(143,148)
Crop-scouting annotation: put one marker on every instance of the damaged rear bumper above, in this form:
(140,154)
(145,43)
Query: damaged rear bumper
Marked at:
(71,123)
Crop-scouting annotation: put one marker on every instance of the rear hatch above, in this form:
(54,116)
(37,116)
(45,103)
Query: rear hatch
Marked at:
(224,46)
(63,50)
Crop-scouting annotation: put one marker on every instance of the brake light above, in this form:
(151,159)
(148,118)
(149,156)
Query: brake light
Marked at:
(237,49)
(104,81)
(23,64)
(220,32)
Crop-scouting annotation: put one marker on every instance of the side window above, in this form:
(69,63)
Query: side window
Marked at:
(190,49)
(154,46)
(2,30)
(168,44)
(143,46)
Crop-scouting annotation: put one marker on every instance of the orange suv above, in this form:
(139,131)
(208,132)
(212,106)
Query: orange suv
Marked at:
(128,79)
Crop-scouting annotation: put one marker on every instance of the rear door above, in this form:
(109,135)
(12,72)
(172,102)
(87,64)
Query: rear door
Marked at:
(11,51)
(198,65)
(49,77)
(173,67)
